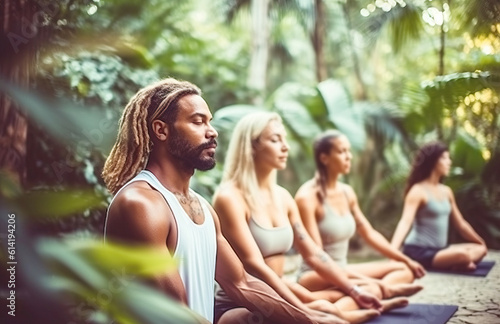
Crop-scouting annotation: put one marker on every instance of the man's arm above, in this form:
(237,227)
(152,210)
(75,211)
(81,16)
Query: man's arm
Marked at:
(139,215)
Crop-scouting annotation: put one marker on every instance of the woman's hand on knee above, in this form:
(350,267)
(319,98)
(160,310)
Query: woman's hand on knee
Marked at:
(365,299)
(417,269)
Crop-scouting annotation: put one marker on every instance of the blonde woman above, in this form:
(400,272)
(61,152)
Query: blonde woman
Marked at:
(261,222)
(331,215)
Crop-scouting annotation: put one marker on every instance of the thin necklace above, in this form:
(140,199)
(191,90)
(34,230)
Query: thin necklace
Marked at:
(191,206)
(183,198)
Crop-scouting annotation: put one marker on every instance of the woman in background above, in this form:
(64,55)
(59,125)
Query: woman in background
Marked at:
(261,222)
(331,215)
(428,209)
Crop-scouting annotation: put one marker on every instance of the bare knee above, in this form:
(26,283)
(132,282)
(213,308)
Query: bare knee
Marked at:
(462,257)
(374,289)
(403,267)
(400,266)
(323,305)
(480,252)
(398,272)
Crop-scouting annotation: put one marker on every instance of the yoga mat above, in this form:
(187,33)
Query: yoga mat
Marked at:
(417,314)
(482,270)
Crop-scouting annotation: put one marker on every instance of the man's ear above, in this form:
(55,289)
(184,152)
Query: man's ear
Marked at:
(159,130)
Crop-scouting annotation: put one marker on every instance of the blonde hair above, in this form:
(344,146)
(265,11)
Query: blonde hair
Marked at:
(130,152)
(239,166)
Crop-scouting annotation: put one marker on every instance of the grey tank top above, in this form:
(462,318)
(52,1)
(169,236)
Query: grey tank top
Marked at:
(430,227)
(271,241)
(335,231)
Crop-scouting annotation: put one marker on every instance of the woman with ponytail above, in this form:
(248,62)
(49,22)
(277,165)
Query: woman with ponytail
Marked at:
(331,214)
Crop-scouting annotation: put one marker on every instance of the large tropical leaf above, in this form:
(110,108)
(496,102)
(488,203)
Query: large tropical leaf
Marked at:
(226,118)
(466,152)
(459,85)
(426,105)
(107,277)
(53,204)
(341,112)
(288,100)
(383,123)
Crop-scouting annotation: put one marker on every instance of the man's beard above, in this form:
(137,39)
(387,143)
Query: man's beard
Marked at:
(191,155)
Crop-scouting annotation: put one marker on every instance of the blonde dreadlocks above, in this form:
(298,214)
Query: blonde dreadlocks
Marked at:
(130,153)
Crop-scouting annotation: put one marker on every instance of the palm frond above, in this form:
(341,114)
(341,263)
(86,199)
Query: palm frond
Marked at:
(403,24)
(479,16)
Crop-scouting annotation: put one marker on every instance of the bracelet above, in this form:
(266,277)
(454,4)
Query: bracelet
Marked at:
(356,290)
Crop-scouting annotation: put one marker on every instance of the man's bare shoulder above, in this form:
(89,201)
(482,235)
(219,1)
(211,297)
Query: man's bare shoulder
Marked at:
(139,212)
(138,196)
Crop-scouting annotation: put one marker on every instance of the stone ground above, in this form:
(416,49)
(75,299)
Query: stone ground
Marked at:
(477,298)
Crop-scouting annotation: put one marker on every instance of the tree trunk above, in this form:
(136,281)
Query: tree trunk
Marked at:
(441,50)
(260,49)
(360,93)
(318,40)
(442,38)
(15,67)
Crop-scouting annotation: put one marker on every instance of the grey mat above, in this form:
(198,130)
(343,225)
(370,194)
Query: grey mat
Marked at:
(417,314)
(482,270)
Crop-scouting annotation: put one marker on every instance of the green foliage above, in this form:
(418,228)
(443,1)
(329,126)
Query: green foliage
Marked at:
(479,16)
(467,153)
(97,54)
(341,112)
(46,204)
(76,280)
(403,24)
(306,111)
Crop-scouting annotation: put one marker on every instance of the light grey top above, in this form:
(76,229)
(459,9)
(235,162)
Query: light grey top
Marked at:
(430,227)
(271,241)
(335,231)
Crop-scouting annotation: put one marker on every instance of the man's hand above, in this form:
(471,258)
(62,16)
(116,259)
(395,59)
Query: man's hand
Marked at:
(417,269)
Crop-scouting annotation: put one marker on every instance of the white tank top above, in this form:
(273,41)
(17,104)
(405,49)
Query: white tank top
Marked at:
(195,250)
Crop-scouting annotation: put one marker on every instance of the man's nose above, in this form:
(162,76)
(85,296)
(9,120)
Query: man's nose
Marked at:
(211,131)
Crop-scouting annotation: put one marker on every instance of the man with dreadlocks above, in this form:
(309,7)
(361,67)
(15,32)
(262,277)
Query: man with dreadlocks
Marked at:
(164,135)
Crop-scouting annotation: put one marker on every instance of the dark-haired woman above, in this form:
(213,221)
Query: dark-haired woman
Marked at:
(428,209)
(331,214)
